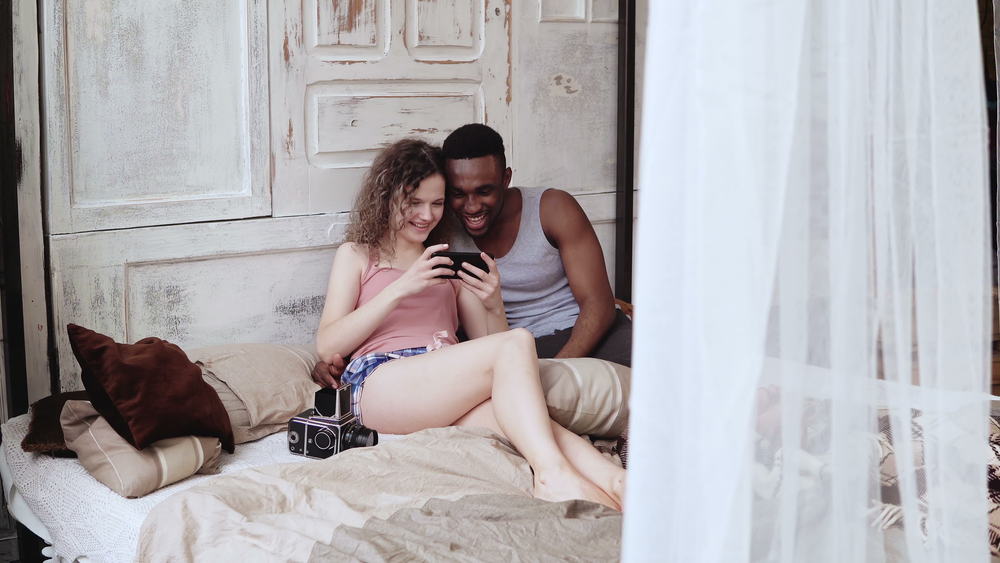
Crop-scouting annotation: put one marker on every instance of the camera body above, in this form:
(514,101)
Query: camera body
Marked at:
(329,428)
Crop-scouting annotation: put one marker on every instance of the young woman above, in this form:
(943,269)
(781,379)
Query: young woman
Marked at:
(387,307)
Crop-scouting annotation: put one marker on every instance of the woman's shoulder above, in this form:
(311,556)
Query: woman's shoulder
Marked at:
(354,254)
(354,250)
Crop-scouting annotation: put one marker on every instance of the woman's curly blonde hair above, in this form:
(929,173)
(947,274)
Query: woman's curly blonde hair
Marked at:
(397,171)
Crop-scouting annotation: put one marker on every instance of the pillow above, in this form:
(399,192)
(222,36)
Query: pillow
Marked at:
(587,395)
(239,418)
(125,470)
(261,385)
(44,432)
(149,390)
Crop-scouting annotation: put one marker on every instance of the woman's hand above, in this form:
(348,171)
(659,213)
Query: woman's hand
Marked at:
(423,273)
(485,285)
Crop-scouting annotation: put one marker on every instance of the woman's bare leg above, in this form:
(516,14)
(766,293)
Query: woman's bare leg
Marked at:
(582,454)
(437,388)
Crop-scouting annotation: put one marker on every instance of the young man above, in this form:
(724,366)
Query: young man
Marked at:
(552,273)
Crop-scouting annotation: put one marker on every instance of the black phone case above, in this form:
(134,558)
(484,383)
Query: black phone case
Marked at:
(460,258)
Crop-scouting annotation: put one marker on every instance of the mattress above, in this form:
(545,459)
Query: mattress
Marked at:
(81,518)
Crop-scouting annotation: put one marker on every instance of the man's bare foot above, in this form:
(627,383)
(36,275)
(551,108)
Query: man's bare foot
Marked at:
(568,485)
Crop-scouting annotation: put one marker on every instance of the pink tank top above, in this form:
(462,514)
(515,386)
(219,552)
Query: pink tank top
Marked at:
(414,321)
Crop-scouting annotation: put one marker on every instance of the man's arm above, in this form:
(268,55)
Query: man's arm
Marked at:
(328,374)
(568,229)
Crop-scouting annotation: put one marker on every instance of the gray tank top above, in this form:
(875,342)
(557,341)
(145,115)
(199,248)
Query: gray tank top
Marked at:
(536,293)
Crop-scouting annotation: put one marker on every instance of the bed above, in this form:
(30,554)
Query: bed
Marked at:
(441,494)
(80,518)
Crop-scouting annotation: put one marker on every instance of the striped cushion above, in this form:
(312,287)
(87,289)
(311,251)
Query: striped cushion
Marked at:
(120,466)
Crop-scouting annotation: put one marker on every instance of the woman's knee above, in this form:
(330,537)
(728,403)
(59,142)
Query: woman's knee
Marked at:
(521,339)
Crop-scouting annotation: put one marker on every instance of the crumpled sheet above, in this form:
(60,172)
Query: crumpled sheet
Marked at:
(284,512)
(482,528)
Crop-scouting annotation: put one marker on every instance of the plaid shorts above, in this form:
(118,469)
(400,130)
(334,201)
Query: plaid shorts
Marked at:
(360,368)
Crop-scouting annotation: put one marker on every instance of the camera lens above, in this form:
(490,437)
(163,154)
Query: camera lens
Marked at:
(360,437)
(323,440)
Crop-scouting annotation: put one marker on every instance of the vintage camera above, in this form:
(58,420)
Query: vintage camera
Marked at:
(329,428)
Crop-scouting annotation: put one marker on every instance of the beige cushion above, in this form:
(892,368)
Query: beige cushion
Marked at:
(239,417)
(127,471)
(262,386)
(587,395)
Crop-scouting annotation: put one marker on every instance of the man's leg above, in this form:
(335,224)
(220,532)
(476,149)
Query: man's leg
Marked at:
(549,345)
(616,346)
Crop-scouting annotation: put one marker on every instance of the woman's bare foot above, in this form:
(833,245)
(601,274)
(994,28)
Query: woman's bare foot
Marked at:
(617,490)
(557,486)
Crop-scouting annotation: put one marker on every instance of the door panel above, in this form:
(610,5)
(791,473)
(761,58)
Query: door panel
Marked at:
(565,105)
(347,78)
(156,112)
(262,280)
(157,115)
(565,110)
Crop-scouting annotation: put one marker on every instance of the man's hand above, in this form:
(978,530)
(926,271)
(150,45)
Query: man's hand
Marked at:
(328,375)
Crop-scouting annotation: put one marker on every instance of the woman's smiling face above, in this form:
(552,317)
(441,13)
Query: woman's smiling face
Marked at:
(421,211)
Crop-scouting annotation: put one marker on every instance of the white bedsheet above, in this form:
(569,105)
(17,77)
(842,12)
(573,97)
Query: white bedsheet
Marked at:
(85,519)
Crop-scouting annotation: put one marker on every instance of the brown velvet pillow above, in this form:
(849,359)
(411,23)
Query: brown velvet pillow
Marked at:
(149,390)
(44,431)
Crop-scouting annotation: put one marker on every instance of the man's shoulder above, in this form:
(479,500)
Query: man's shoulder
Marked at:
(559,210)
(554,200)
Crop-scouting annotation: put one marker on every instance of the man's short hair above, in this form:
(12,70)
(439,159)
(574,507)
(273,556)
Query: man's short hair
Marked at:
(474,140)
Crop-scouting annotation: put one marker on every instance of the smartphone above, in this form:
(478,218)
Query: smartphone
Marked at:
(460,258)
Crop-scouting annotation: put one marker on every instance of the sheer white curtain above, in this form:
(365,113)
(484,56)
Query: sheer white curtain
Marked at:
(812,285)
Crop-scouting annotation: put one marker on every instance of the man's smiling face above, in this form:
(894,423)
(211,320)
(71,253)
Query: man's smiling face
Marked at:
(476,188)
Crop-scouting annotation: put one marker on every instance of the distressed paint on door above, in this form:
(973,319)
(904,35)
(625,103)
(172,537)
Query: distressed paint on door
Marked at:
(259,280)
(565,104)
(156,112)
(347,81)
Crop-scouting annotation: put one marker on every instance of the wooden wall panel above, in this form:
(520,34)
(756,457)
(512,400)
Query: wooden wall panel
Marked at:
(261,280)
(274,296)
(357,119)
(156,112)
(445,23)
(565,108)
(565,105)
(444,30)
(30,219)
(346,31)
(562,10)
(341,79)
(348,79)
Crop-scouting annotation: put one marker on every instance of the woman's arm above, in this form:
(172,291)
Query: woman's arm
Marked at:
(480,305)
(342,328)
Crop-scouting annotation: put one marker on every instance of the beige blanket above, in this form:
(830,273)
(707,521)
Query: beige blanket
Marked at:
(482,528)
(290,512)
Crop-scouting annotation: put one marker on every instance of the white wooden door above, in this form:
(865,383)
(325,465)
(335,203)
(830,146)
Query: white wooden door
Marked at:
(156,112)
(350,77)
(203,154)
(565,105)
